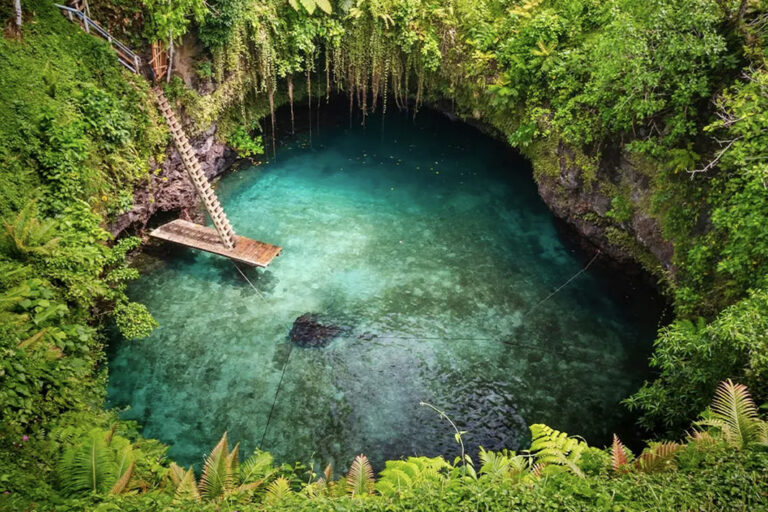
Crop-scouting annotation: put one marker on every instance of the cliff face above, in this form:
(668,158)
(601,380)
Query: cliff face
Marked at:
(170,189)
(608,203)
(585,195)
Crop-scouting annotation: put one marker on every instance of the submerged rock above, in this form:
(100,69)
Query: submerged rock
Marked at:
(307,331)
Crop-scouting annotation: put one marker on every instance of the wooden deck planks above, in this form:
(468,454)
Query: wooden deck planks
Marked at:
(250,252)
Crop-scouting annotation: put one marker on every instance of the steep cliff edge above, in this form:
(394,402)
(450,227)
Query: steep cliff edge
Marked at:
(607,202)
(169,188)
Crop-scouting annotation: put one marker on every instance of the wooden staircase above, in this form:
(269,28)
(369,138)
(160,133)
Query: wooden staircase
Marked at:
(222,240)
(191,164)
(125,55)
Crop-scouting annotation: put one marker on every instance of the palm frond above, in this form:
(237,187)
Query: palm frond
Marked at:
(360,476)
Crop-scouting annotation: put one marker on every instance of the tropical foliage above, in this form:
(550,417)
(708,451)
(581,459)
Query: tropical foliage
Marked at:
(675,87)
(111,466)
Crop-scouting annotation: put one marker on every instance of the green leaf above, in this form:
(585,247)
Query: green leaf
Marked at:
(325,6)
(309,5)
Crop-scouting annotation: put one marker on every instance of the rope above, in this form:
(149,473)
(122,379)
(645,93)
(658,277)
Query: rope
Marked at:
(591,360)
(277,392)
(249,281)
(285,366)
(574,276)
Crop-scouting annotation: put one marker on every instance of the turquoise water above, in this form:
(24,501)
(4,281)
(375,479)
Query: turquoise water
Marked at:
(428,244)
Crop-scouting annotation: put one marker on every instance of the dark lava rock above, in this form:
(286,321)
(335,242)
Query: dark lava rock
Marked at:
(307,331)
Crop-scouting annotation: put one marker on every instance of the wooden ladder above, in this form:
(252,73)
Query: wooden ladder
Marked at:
(131,61)
(204,189)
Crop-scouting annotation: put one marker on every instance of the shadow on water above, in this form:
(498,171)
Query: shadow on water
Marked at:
(427,243)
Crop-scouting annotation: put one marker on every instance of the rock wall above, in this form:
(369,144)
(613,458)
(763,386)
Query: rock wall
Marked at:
(584,201)
(582,198)
(579,194)
(170,189)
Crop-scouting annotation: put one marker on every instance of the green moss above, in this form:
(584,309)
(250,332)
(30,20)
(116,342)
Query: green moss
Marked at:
(636,251)
(544,157)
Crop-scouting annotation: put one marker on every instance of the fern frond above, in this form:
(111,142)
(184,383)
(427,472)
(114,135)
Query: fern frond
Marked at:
(216,479)
(122,482)
(552,447)
(657,457)
(328,473)
(233,460)
(702,437)
(395,477)
(734,414)
(187,488)
(176,474)
(360,476)
(88,466)
(256,467)
(277,490)
(250,486)
(619,455)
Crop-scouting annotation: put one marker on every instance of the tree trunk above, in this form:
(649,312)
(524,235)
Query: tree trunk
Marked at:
(17,7)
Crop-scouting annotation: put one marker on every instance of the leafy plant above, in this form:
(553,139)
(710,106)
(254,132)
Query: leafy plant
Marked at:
(621,209)
(402,475)
(100,462)
(246,145)
(311,5)
(27,236)
(134,320)
(277,490)
(505,464)
(657,457)
(222,475)
(555,450)
(733,415)
(360,480)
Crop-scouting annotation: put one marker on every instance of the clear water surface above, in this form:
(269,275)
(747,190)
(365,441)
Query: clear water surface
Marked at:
(427,242)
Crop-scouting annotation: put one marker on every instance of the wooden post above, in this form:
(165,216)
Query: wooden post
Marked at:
(170,58)
(17,7)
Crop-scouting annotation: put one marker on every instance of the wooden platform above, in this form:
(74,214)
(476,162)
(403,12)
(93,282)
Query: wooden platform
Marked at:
(250,252)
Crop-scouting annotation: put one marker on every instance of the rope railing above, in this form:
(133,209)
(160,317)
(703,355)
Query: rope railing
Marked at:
(125,55)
